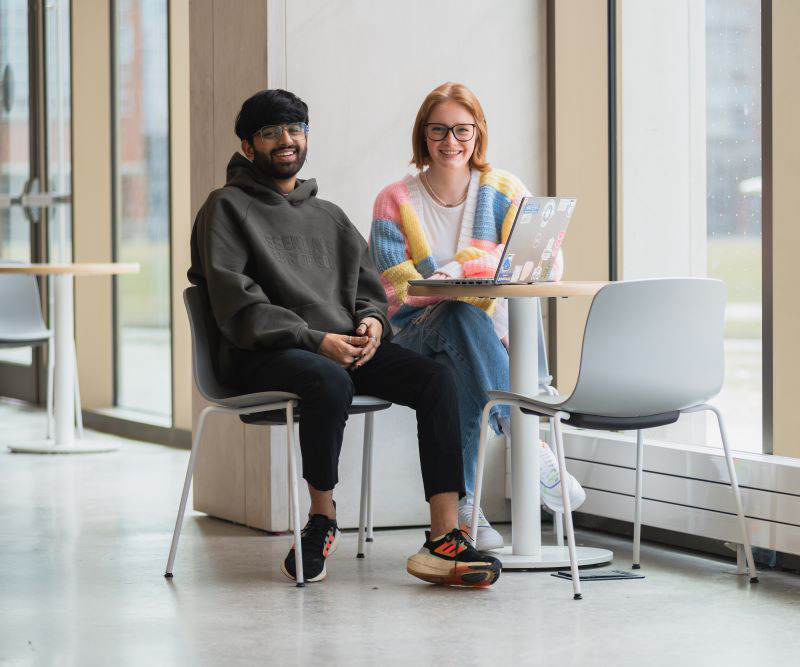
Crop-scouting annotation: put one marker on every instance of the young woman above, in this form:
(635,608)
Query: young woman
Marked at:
(450,220)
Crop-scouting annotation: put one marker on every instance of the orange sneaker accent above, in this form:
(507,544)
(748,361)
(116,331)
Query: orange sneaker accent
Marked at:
(449,549)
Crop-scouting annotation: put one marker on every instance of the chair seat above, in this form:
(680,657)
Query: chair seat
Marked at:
(615,423)
(360,405)
(584,420)
(252,400)
(24,337)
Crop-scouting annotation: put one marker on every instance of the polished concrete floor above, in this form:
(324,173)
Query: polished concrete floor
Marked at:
(84,540)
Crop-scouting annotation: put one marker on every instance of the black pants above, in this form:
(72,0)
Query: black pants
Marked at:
(326,390)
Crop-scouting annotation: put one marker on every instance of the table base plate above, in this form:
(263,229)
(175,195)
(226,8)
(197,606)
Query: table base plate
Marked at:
(50,447)
(552,557)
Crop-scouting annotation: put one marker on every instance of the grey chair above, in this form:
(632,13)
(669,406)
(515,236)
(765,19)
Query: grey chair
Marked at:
(22,325)
(652,350)
(269,407)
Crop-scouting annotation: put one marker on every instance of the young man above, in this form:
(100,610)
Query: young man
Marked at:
(301,309)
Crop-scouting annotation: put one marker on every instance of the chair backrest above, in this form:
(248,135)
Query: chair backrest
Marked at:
(205,341)
(20,310)
(651,346)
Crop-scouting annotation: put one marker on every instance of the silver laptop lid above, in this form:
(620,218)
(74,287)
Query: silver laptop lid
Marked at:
(535,239)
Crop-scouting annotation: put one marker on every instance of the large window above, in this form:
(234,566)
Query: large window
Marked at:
(690,111)
(15,230)
(58,110)
(141,194)
(34,59)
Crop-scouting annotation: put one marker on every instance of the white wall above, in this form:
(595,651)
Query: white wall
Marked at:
(364,68)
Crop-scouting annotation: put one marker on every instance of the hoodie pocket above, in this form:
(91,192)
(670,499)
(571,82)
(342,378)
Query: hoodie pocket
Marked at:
(326,317)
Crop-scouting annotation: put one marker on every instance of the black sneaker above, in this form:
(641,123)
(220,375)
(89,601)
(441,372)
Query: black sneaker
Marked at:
(319,538)
(453,561)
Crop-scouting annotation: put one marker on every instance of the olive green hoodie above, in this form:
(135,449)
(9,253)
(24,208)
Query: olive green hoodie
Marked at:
(280,271)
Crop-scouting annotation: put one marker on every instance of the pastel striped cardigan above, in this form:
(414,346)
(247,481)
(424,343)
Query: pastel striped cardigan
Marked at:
(401,251)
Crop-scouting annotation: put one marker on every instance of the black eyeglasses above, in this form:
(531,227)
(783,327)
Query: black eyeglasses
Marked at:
(275,132)
(461,132)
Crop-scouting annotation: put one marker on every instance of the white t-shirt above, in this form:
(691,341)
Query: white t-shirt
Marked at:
(442,225)
(447,234)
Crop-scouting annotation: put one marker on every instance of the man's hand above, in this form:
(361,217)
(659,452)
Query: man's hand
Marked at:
(343,349)
(371,330)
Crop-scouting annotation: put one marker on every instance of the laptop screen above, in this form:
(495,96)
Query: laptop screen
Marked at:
(535,239)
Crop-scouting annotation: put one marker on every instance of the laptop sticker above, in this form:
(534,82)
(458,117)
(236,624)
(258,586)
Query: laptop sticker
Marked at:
(504,275)
(527,269)
(547,253)
(547,212)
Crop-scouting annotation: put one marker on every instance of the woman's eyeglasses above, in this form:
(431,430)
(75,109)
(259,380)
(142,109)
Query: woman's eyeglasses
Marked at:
(461,132)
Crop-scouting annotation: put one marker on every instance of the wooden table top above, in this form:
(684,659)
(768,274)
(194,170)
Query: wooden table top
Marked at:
(560,288)
(77,268)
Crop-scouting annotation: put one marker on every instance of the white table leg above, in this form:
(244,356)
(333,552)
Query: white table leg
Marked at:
(64,333)
(64,389)
(527,551)
(526,535)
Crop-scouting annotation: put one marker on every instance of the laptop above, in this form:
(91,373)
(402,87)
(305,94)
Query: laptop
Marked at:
(536,235)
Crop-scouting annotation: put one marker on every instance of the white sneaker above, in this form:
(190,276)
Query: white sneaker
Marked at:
(488,537)
(550,482)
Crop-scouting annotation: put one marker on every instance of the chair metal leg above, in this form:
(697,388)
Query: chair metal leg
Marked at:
(51,370)
(741,560)
(295,496)
(637,519)
(748,551)
(370,468)
(562,471)
(365,484)
(558,517)
(176,534)
(473,529)
(78,413)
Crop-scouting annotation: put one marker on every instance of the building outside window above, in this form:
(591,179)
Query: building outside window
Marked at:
(141,193)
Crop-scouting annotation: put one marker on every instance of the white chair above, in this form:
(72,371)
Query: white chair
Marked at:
(652,350)
(279,408)
(22,325)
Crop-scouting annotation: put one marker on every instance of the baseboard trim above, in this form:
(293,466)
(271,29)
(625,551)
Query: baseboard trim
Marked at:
(126,427)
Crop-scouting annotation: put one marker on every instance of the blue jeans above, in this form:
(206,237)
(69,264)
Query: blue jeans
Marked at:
(462,337)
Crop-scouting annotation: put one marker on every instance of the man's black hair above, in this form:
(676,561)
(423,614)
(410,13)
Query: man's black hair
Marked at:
(269,107)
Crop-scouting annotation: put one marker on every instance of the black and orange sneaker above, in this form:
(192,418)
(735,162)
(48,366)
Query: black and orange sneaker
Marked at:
(319,538)
(453,561)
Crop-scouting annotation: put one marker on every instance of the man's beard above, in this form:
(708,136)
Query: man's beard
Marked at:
(277,170)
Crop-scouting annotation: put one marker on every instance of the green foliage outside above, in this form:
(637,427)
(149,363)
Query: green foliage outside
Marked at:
(143,299)
(737,261)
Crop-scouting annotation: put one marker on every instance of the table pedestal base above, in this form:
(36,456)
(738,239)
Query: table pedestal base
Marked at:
(551,557)
(76,447)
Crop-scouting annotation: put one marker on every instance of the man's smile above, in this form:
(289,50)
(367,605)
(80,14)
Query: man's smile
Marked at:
(284,154)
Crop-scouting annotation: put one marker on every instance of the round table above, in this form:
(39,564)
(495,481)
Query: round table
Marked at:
(526,551)
(65,441)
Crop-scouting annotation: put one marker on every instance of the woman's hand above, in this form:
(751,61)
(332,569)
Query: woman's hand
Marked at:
(371,330)
(343,349)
